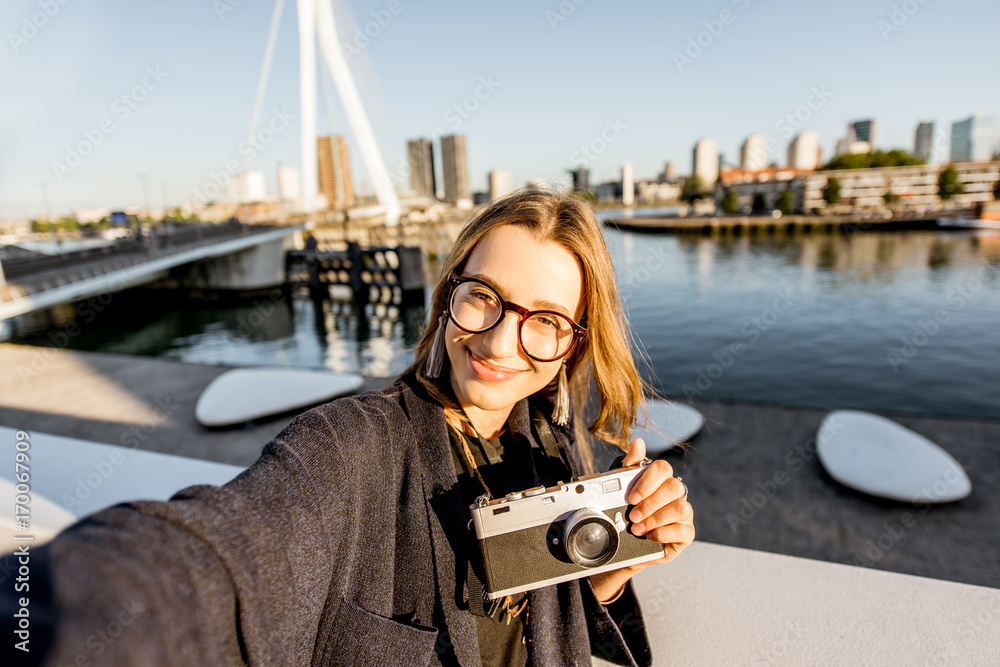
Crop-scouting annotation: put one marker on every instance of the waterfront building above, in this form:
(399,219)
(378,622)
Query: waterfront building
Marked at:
(334,171)
(501,183)
(804,151)
(669,173)
(628,185)
(581,178)
(454,160)
(248,186)
(653,191)
(863,190)
(923,141)
(289,185)
(705,162)
(974,138)
(861,137)
(753,153)
(423,181)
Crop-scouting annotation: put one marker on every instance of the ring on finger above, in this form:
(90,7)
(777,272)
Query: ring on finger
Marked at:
(681,480)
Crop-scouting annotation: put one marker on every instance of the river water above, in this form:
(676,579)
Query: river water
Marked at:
(905,322)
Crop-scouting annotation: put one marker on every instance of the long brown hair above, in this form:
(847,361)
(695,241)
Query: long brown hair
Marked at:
(603,356)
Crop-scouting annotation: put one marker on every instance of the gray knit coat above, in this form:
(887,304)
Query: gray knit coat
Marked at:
(344,544)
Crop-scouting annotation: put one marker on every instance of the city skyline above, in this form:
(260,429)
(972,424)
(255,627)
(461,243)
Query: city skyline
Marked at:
(177,115)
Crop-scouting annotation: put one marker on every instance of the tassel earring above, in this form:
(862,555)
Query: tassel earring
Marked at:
(436,357)
(560,415)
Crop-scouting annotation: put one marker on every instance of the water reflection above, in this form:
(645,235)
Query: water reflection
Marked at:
(856,303)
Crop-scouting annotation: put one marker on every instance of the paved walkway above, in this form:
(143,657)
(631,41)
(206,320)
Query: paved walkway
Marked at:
(731,467)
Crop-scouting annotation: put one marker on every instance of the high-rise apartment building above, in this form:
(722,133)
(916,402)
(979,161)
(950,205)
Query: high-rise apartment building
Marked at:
(753,153)
(422,178)
(803,151)
(334,171)
(923,141)
(628,184)
(581,178)
(974,139)
(501,183)
(455,162)
(706,161)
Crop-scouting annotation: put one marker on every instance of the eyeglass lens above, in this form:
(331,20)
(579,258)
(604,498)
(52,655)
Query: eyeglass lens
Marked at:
(476,308)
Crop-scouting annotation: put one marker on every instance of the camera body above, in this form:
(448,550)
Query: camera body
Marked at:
(544,536)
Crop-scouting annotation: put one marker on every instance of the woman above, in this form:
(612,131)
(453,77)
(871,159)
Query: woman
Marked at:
(348,541)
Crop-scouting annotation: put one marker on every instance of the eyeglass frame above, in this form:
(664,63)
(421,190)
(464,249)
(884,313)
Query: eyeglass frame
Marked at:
(454,280)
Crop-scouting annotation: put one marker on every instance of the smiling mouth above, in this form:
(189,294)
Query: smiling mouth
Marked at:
(491,372)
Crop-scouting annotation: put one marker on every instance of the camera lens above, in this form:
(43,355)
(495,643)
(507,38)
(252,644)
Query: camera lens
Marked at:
(590,538)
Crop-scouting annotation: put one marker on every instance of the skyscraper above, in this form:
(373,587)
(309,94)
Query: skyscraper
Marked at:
(803,151)
(501,183)
(581,178)
(628,185)
(866,131)
(422,178)
(753,153)
(454,159)
(923,141)
(289,186)
(974,138)
(706,161)
(334,171)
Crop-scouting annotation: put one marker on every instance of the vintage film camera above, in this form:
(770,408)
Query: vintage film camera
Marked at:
(544,536)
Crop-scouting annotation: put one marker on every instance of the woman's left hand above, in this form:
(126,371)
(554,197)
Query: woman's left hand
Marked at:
(661,511)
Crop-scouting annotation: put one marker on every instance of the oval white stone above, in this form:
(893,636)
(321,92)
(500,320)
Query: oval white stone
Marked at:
(676,422)
(877,456)
(243,394)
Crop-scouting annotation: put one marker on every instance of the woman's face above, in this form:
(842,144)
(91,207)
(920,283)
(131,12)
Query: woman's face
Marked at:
(489,370)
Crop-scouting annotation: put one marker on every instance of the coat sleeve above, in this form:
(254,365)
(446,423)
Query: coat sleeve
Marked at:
(217,575)
(617,631)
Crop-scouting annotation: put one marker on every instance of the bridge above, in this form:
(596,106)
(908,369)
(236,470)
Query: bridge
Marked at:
(227,256)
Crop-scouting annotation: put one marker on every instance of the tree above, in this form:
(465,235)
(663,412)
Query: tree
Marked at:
(694,188)
(894,158)
(891,199)
(831,193)
(948,184)
(759,203)
(730,201)
(785,201)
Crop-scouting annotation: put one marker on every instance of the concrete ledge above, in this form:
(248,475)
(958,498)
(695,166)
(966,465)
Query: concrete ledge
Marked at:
(717,605)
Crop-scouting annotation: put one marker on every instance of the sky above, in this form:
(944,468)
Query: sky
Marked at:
(159,94)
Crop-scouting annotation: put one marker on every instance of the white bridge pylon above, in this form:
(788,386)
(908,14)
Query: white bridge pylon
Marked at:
(316,23)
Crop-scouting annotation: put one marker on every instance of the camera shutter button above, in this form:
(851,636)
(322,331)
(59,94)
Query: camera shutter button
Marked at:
(513,496)
(537,491)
